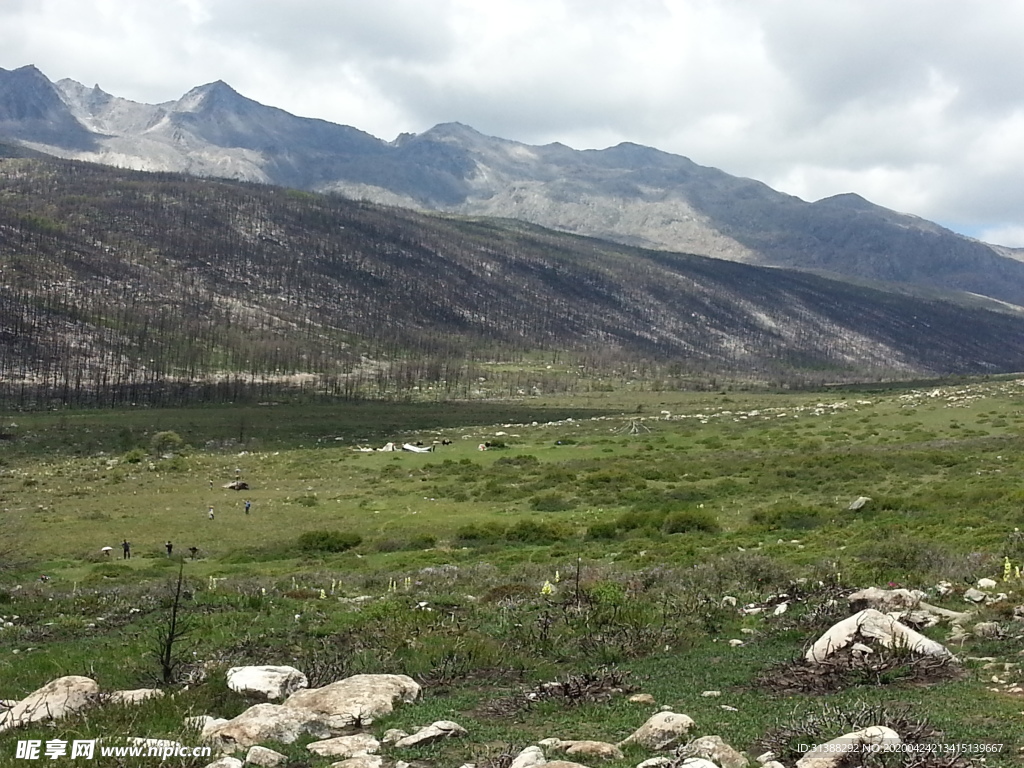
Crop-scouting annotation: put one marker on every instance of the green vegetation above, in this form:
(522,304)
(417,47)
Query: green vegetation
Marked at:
(585,545)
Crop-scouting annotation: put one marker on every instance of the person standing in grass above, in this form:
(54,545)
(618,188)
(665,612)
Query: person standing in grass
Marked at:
(169,547)
(210,513)
(248,504)
(126,549)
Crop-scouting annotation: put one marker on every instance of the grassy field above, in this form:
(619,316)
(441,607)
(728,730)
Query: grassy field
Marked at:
(641,509)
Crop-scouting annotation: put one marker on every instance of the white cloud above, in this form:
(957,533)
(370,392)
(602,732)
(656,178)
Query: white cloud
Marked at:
(912,104)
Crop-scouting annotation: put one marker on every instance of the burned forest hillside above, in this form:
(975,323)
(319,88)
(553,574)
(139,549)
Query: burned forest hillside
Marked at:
(122,286)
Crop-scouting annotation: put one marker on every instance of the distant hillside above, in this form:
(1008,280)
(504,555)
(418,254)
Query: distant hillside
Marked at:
(630,194)
(119,285)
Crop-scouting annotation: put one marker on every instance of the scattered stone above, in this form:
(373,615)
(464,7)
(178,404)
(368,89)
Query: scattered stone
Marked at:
(360,761)
(53,701)
(136,696)
(563,764)
(442,729)
(393,735)
(766,757)
(265,758)
(858,503)
(987,584)
(988,629)
(662,731)
(886,600)
(345,746)
(655,762)
(715,749)
(269,682)
(226,762)
(833,753)
(711,694)
(266,722)
(529,758)
(642,698)
(601,750)
(973,595)
(735,643)
(356,700)
(878,626)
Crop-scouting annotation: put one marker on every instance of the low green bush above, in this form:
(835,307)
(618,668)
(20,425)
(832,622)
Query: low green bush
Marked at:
(552,502)
(691,520)
(328,541)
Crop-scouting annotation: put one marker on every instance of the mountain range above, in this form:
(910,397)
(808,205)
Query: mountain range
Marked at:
(629,194)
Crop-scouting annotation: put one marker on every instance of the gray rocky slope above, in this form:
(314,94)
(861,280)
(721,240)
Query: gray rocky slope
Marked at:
(627,193)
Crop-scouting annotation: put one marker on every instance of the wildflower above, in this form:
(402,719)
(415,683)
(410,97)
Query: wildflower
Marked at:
(548,588)
(323,594)
(558,577)
(408,582)
(1006,569)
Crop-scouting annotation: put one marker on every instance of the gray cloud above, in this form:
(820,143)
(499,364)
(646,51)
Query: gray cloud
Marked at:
(913,104)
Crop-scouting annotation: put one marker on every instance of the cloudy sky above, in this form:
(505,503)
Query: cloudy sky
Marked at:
(917,105)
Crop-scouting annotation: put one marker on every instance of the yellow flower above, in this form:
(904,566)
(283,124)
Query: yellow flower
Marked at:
(548,588)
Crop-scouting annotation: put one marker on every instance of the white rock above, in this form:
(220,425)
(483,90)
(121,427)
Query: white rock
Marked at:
(662,731)
(642,698)
(601,750)
(697,762)
(987,584)
(886,600)
(345,746)
(360,761)
(136,696)
(765,757)
(270,682)
(713,748)
(442,729)
(359,699)
(735,643)
(711,694)
(529,758)
(266,722)
(53,701)
(655,762)
(878,626)
(226,762)
(973,595)
(392,735)
(265,758)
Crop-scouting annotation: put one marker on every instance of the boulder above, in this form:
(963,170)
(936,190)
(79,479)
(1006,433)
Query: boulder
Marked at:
(973,595)
(269,682)
(356,700)
(563,764)
(662,731)
(442,729)
(833,753)
(265,758)
(655,762)
(265,722)
(874,625)
(697,762)
(225,762)
(345,746)
(642,698)
(989,629)
(715,749)
(53,701)
(528,758)
(136,696)
(392,735)
(360,761)
(600,750)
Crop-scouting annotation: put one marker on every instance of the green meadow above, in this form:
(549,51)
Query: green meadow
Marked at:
(594,540)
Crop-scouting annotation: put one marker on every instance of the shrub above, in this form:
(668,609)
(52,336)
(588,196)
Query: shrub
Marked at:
(134,456)
(602,531)
(526,460)
(166,442)
(690,520)
(536,532)
(552,502)
(477,533)
(328,541)
(792,517)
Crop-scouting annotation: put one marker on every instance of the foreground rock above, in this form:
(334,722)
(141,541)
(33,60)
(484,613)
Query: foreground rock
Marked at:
(270,682)
(357,700)
(713,748)
(355,745)
(662,731)
(53,701)
(264,723)
(265,758)
(835,752)
(136,696)
(442,729)
(873,625)
(600,750)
